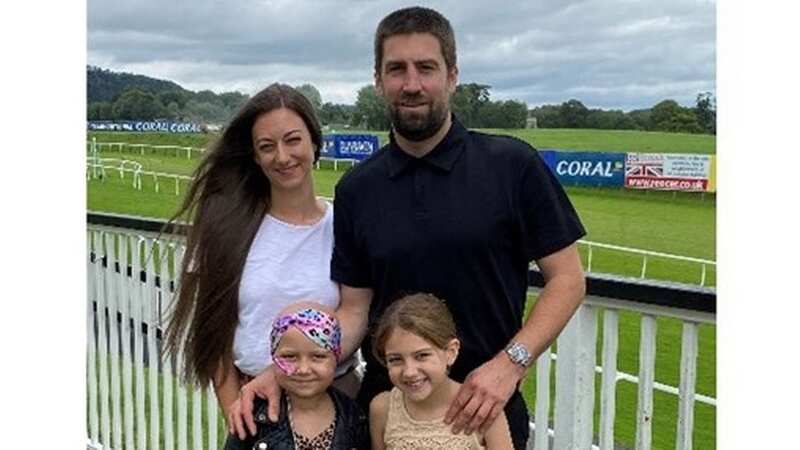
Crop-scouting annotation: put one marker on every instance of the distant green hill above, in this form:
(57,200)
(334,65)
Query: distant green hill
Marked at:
(103,85)
(126,96)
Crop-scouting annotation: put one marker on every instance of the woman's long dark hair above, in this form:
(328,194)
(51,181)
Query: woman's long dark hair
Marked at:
(226,203)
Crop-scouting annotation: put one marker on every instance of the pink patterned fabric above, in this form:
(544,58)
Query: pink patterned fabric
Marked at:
(322,328)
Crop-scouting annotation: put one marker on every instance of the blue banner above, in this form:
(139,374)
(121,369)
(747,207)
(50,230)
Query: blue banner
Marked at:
(328,149)
(589,168)
(350,146)
(160,126)
(549,157)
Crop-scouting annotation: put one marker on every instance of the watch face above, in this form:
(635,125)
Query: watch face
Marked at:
(518,354)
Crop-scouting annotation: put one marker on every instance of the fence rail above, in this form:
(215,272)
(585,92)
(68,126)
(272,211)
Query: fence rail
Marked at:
(704,263)
(157,225)
(121,147)
(135,400)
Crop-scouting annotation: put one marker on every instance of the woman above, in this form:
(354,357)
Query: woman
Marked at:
(260,239)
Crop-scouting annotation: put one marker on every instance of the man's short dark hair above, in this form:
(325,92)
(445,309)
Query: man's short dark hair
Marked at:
(416,19)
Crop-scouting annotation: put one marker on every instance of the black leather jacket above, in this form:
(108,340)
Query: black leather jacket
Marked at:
(351,429)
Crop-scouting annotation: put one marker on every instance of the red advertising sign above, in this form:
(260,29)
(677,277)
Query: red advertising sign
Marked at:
(673,172)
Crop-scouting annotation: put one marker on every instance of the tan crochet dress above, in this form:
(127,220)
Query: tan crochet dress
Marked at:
(404,433)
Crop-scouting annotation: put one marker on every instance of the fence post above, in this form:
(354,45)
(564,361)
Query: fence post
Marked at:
(688,381)
(94,156)
(589,263)
(647,369)
(542,407)
(608,392)
(575,381)
(703,275)
(91,344)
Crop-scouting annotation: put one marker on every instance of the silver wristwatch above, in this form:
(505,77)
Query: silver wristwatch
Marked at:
(519,354)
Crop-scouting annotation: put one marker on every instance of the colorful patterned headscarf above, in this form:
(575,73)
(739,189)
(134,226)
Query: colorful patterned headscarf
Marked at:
(322,328)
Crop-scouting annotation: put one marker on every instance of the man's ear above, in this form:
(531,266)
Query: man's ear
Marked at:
(452,79)
(378,84)
(451,349)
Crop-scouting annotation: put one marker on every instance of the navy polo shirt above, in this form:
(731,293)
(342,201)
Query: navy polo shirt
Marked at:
(462,223)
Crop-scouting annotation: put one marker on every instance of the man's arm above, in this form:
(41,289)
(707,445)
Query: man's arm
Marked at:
(353,312)
(487,389)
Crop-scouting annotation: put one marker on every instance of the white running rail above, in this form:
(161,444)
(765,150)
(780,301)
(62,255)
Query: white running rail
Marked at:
(645,254)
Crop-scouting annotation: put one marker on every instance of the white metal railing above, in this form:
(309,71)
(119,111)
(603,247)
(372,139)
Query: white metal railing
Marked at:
(140,148)
(350,161)
(97,167)
(121,147)
(125,373)
(704,263)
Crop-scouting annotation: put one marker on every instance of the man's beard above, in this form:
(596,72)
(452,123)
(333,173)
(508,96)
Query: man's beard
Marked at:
(418,126)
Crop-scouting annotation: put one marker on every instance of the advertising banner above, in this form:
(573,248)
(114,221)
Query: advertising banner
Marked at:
(349,146)
(671,172)
(712,175)
(549,157)
(355,146)
(161,126)
(328,149)
(589,168)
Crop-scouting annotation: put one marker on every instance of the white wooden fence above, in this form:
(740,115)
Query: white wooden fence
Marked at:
(576,368)
(135,400)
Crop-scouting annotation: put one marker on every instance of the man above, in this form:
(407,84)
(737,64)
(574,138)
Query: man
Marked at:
(458,214)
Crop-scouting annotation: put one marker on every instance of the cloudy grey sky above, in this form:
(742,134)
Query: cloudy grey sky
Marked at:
(622,54)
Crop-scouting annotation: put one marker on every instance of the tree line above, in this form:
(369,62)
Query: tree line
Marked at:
(124,96)
(666,115)
(471,103)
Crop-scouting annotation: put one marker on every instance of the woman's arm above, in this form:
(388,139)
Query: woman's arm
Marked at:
(498,436)
(378,412)
(226,386)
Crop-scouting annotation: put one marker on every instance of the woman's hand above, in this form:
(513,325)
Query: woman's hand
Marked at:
(265,386)
(233,419)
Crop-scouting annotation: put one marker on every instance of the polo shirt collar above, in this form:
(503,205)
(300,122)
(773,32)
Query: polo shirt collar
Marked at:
(443,156)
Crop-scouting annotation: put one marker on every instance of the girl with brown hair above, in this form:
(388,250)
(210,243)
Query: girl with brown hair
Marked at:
(416,341)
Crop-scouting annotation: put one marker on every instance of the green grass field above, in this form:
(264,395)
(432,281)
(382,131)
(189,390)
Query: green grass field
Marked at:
(567,139)
(683,224)
(615,140)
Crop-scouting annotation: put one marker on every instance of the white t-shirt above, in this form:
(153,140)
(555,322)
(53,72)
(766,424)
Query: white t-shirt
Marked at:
(286,263)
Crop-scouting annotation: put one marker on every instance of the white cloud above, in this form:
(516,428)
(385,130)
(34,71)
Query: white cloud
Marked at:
(622,54)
